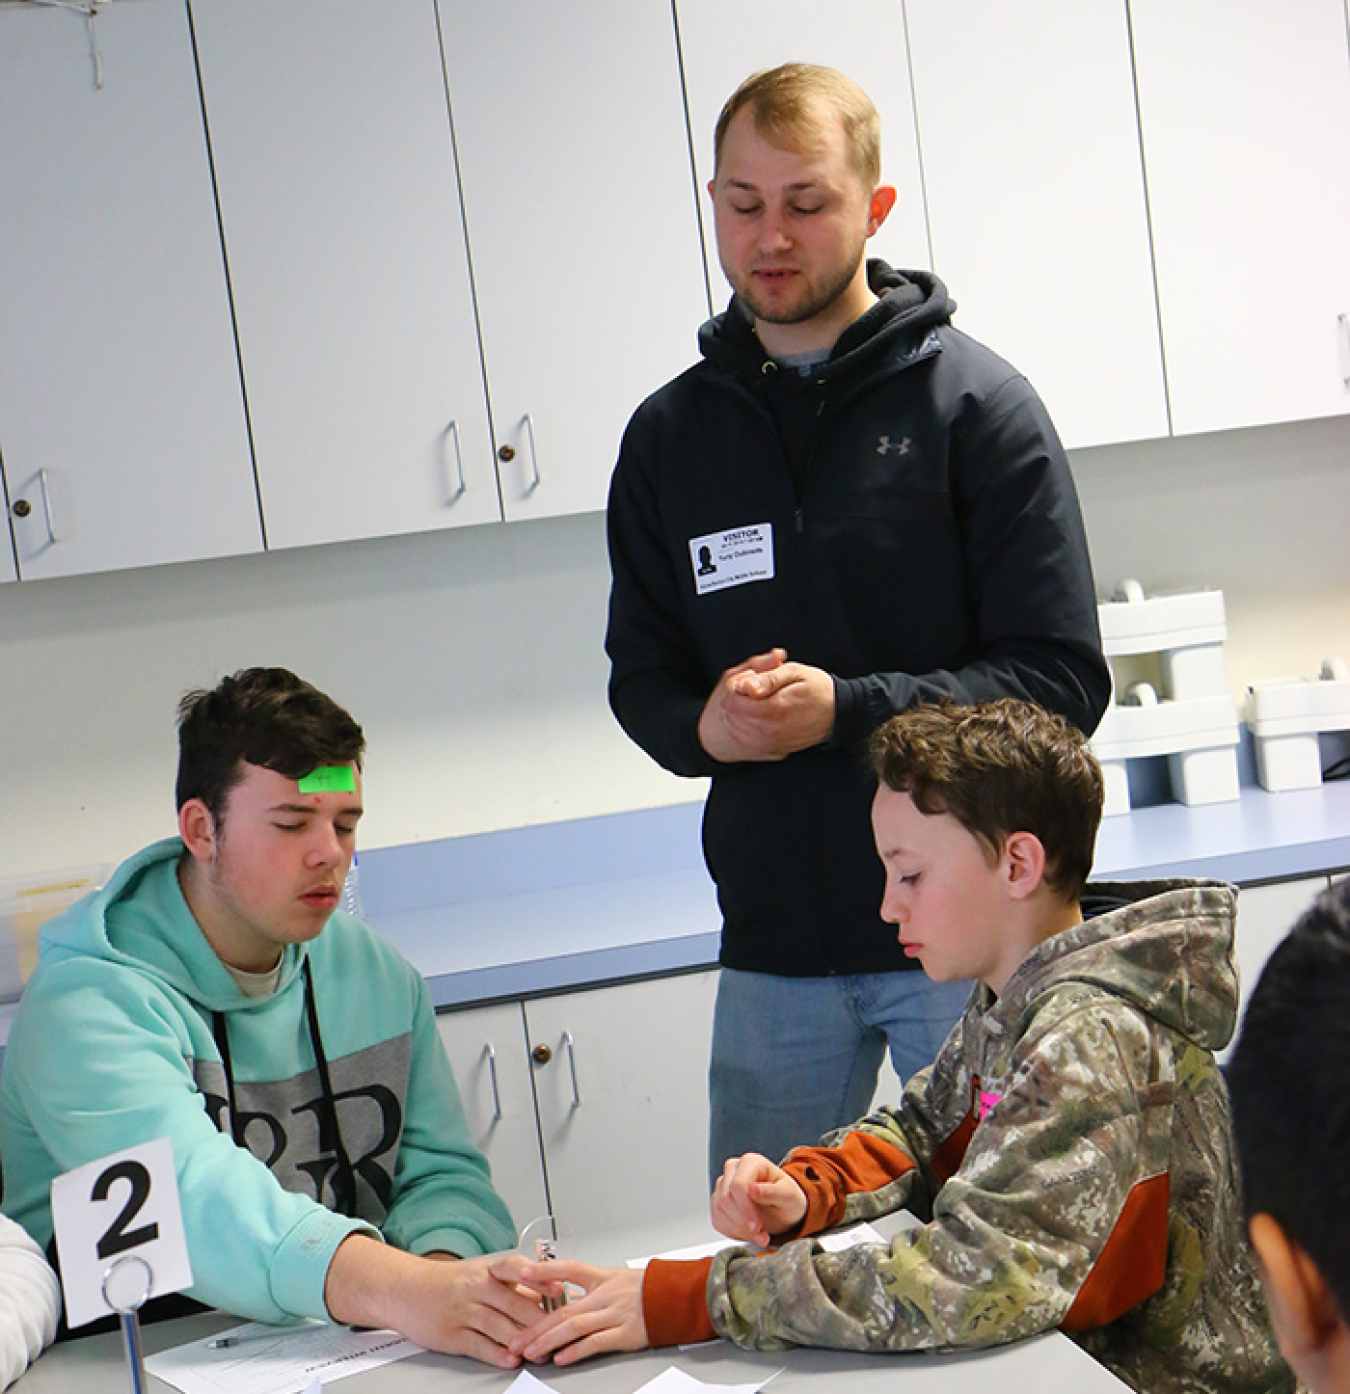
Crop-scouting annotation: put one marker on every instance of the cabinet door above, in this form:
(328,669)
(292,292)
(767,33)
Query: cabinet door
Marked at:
(623,1100)
(1265,915)
(121,417)
(583,229)
(1245,113)
(724,41)
(339,201)
(486,1046)
(1036,206)
(8,570)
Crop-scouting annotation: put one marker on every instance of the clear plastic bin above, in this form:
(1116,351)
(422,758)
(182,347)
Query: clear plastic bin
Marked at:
(26,904)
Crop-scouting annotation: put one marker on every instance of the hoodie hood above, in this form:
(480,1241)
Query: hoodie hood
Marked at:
(911,305)
(1166,948)
(124,922)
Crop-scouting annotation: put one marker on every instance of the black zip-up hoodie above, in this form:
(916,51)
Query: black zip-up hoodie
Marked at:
(926,541)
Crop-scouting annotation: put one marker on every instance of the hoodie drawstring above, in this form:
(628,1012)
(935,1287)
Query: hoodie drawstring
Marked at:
(345,1191)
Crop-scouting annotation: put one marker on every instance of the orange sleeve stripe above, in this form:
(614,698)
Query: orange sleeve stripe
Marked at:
(948,1158)
(675,1302)
(829,1175)
(1133,1264)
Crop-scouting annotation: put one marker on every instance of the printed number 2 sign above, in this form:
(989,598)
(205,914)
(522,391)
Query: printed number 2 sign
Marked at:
(119,1232)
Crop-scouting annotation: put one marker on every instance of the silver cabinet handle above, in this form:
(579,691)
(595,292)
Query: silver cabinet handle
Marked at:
(1344,321)
(572,1064)
(460,486)
(534,454)
(491,1054)
(47,506)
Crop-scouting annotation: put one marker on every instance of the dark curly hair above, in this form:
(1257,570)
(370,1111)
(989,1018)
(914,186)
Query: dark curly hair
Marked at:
(258,716)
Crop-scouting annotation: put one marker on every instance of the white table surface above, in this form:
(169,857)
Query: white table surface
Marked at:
(1049,1364)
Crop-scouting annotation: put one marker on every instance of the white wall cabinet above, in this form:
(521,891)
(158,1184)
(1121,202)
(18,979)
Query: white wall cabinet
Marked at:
(1245,113)
(1036,204)
(599,1114)
(724,41)
(583,231)
(122,423)
(412,363)
(335,166)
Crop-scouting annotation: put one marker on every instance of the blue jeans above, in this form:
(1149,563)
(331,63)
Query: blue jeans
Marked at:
(793,1058)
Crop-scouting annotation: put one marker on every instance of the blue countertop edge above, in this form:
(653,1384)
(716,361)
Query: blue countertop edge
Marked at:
(571,972)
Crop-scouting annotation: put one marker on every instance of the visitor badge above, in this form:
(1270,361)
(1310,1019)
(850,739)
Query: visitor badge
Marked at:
(119,1232)
(732,558)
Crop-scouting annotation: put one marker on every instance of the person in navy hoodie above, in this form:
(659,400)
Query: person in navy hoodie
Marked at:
(847,507)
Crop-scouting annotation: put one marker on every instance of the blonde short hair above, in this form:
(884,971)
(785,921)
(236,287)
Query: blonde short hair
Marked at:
(791,102)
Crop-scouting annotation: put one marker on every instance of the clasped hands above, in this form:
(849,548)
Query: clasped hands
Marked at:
(767,709)
(753,1200)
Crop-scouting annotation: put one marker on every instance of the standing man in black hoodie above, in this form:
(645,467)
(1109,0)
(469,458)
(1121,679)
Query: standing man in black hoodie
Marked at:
(847,507)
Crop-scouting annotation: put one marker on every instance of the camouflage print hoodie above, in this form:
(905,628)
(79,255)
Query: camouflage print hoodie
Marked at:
(1069,1154)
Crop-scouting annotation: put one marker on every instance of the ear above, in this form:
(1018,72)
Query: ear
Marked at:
(879,209)
(1302,1308)
(712,187)
(1023,863)
(197,828)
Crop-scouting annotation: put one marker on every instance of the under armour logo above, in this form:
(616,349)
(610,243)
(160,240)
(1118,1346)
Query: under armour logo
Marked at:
(885,447)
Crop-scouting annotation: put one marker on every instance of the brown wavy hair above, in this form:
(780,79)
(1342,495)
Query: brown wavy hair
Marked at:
(998,768)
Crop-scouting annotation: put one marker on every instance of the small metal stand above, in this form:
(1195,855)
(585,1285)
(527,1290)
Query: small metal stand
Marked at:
(131,1297)
(544,1239)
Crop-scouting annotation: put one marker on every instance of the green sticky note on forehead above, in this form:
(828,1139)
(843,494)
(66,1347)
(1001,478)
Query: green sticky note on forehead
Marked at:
(328,779)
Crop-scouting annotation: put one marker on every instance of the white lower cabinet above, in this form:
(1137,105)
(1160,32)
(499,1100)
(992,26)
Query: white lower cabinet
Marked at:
(1265,915)
(486,1046)
(599,1112)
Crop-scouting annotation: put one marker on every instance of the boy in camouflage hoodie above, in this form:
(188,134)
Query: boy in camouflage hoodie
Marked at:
(1069,1151)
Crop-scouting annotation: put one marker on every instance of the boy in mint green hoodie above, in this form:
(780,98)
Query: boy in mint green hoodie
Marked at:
(214,993)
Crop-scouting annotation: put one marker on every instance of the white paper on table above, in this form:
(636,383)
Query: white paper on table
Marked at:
(844,1239)
(714,1246)
(277,1359)
(526,1383)
(848,1238)
(677,1381)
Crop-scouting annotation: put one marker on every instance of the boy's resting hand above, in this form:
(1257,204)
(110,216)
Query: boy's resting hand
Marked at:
(608,1318)
(754,1199)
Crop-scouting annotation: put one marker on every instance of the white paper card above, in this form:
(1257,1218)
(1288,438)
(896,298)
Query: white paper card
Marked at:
(118,1219)
(848,1238)
(677,1381)
(277,1359)
(694,1251)
(526,1383)
(732,558)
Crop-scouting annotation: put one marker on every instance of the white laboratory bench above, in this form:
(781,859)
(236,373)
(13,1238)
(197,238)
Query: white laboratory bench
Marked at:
(1050,1363)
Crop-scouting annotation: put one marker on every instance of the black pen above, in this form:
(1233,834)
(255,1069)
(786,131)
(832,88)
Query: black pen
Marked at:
(225,1342)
